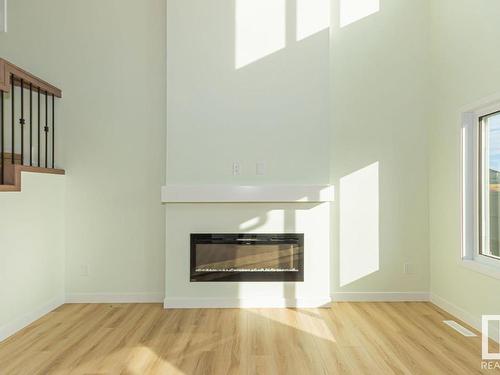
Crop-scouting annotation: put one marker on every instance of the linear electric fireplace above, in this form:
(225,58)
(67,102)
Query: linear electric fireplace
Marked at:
(247,257)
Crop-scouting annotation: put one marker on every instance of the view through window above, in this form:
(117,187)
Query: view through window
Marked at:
(489,184)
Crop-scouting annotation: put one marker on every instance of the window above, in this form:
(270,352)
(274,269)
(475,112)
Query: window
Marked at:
(480,190)
(489,185)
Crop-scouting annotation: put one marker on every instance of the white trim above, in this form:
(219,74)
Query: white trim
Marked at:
(253,302)
(485,269)
(114,298)
(470,256)
(379,296)
(468,185)
(463,315)
(483,104)
(251,193)
(18,324)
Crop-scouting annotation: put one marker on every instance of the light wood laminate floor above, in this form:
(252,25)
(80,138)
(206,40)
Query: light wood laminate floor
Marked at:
(350,338)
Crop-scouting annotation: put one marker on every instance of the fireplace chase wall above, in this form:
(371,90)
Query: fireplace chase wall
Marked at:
(308,218)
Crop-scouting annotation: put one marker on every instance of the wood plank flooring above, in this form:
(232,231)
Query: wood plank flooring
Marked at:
(349,338)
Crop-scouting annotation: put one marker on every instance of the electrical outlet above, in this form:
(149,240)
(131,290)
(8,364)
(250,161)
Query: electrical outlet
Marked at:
(236,168)
(84,270)
(409,269)
(260,168)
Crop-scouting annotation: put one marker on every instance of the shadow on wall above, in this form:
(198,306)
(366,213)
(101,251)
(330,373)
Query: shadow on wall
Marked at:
(287,217)
(263,27)
(351,11)
(252,79)
(359,226)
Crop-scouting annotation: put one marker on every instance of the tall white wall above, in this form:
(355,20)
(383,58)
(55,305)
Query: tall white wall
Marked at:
(32,253)
(466,70)
(108,57)
(247,82)
(380,99)
(274,109)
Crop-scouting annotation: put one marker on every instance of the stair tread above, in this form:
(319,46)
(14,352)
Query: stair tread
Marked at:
(13,175)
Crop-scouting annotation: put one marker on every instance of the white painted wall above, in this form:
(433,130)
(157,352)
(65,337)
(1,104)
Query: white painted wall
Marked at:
(380,69)
(242,87)
(3,16)
(109,59)
(32,254)
(465,70)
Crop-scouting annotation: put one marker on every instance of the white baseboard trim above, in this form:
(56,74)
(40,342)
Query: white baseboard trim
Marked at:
(18,324)
(380,296)
(463,315)
(115,298)
(253,302)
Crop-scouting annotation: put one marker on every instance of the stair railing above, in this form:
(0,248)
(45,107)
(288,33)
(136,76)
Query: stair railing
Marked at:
(12,79)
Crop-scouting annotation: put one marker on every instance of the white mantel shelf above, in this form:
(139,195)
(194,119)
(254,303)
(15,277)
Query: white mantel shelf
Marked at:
(247,194)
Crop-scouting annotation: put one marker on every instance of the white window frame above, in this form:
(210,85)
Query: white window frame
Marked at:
(470,255)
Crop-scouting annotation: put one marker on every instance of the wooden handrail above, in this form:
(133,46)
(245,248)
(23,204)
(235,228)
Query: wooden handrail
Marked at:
(8,69)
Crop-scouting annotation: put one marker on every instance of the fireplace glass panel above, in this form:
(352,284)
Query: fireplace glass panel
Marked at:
(238,258)
(243,257)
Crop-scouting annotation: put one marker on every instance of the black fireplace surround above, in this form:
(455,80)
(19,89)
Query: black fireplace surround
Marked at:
(247,257)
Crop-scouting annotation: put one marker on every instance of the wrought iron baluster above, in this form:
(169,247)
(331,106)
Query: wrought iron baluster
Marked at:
(31,124)
(38,119)
(13,112)
(22,122)
(2,137)
(53,133)
(46,129)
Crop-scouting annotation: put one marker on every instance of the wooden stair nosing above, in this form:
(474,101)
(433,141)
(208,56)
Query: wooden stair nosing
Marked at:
(12,177)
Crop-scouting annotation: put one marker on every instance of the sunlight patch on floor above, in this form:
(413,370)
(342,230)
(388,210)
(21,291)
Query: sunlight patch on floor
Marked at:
(303,320)
(140,359)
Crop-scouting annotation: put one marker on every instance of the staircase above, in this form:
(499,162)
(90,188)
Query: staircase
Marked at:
(27,132)
(12,172)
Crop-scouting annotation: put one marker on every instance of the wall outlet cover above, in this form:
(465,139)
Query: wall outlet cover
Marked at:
(236,168)
(409,269)
(260,168)
(84,270)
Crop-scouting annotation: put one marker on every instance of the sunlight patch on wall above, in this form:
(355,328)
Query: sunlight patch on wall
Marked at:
(313,16)
(359,224)
(253,224)
(260,29)
(355,10)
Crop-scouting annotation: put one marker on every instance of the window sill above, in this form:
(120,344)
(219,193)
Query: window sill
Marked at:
(480,267)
